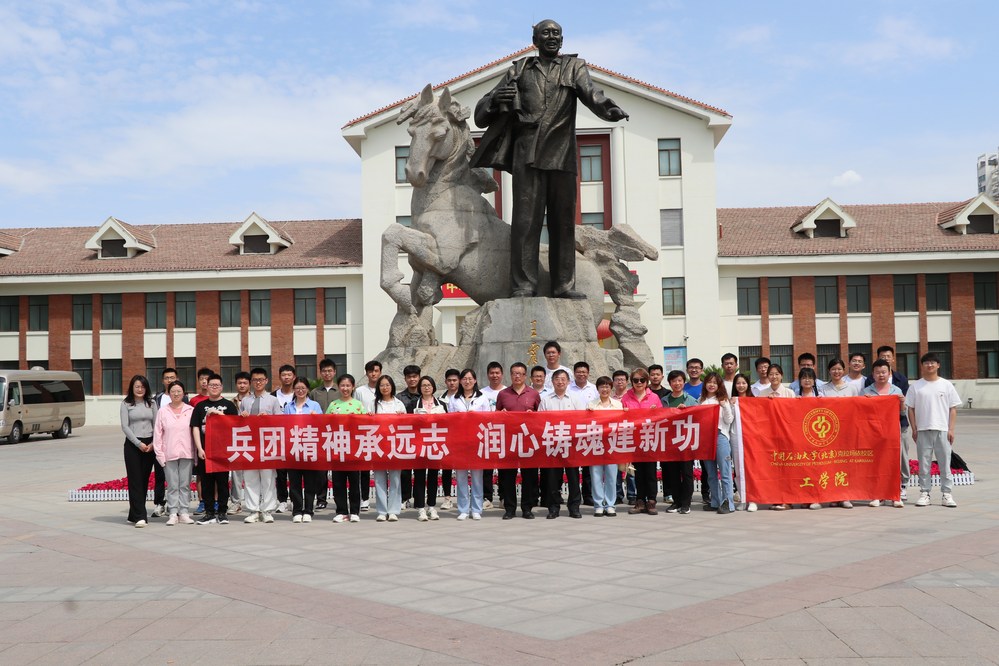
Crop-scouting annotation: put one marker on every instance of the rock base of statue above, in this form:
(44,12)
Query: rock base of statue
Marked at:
(509,330)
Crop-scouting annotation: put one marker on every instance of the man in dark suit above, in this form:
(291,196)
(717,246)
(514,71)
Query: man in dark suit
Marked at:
(531,116)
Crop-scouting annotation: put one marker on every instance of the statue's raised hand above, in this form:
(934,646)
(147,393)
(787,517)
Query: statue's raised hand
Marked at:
(616,113)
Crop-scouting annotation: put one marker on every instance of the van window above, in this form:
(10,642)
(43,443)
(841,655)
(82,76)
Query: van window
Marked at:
(3,394)
(32,392)
(64,390)
(15,394)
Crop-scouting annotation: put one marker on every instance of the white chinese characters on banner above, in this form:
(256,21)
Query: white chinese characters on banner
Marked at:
(687,432)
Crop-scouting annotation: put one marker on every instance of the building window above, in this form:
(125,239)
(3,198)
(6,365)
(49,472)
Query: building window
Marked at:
(783,355)
(336,306)
(260,307)
(229,308)
(748,292)
(780,296)
(858,293)
(83,312)
(229,367)
(595,220)
(154,373)
(265,363)
(306,366)
(401,155)
(111,313)
(860,348)
(156,310)
(186,310)
(988,359)
(942,349)
(905,294)
(826,229)
(187,368)
(747,357)
(256,244)
(589,164)
(341,362)
(673,301)
(824,354)
(671,227)
(937,299)
(985,291)
(111,376)
(404,220)
(9,317)
(669,157)
(907,359)
(305,307)
(85,368)
(826,297)
(113,248)
(38,313)
(980,224)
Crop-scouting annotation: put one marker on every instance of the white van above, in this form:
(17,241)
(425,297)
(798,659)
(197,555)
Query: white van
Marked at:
(37,401)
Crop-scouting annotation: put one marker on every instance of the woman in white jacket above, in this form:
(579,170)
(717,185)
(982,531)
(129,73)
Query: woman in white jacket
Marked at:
(388,484)
(721,493)
(469,399)
(425,480)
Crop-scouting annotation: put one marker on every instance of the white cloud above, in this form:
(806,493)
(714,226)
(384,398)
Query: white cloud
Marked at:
(898,39)
(752,36)
(847,179)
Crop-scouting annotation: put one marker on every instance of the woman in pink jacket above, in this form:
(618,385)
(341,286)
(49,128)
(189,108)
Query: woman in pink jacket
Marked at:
(646,484)
(174,445)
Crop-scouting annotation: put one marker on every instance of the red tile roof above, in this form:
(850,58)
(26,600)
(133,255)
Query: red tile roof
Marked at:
(141,234)
(948,215)
(9,242)
(761,232)
(525,51)
(183,247)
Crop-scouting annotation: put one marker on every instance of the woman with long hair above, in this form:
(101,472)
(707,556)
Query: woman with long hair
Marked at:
(425,480)
(808,384)
(775,375)
(302,504)
(469,399)
(173,441)
(640,397)
(742,387)
(138,417)
(604,478)
(721,488)
(388,488)
(346,485)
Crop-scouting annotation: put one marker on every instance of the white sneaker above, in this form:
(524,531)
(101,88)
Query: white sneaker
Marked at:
(611,512)
(252,518)
(433,514)
(898,504)
(422,516)
(924,499)
(306,518)
(476,516)
(948,501)
(815,506)
(875,502)
(339,518)
(486,504)
(158,511)
(268,518)
(281,508)
(364,505)
(392,518)
(846,504)
(297,518)
(903,496)
(381,518)
(408,504)
(741,506)
(354,518)
(172,520)
(751,506)
(462,516)
(447,504)
(142,523)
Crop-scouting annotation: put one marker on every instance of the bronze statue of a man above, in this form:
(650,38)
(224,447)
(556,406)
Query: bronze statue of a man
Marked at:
(531,120)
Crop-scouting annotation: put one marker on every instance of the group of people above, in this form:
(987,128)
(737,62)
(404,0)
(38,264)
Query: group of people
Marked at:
(165,433)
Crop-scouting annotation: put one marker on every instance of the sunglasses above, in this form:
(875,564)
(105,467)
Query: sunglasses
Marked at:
(638,380)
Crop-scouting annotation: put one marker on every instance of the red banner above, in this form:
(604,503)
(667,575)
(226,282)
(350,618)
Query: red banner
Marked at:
(469,440)
(821,449)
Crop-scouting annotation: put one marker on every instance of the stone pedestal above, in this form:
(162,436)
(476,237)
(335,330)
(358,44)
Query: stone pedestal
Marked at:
(509,330)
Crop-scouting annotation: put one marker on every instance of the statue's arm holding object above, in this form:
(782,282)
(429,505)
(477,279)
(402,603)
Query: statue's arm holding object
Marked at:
(593,97)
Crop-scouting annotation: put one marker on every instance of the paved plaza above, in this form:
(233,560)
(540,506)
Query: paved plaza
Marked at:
(79,585)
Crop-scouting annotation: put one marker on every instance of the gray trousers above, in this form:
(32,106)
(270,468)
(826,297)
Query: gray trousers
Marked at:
(236,487)
(178,490)
(928,444)
(906,439)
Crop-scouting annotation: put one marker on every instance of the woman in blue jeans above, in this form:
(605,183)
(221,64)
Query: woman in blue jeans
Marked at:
(388,491)
(721,493)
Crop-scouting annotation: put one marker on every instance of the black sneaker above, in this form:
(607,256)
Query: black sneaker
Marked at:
(320,506)
(206,519)
(684,510)
(673,508)
(221,519)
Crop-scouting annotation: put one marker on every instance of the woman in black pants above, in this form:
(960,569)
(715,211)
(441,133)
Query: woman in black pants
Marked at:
(138,415)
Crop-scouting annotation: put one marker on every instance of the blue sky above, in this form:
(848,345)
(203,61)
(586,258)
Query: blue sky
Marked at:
(165,111)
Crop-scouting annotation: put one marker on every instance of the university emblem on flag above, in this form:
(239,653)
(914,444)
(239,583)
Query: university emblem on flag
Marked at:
(821,426)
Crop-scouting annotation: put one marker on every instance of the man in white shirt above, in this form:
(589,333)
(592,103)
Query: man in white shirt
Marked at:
(261,490)
(538,378)
(856,376)
(285,394)
(932,403)
(762,365)
(561,400)
(367,395)
(553,352)
(494,374)
(585,392)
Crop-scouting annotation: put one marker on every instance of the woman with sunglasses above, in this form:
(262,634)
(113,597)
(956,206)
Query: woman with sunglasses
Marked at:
(302,505)
(646,486)
(469,399)
(388,483)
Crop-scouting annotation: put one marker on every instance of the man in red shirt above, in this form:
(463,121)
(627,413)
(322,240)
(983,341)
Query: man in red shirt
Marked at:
(518,397)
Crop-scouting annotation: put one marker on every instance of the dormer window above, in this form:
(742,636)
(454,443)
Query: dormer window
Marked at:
(258,236)
(827,220)
(975,216)
(113,248)
(980,224)
(826,229)
(256,244)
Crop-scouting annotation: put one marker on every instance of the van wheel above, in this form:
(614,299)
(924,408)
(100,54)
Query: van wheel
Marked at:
(15,433)
(63,431)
